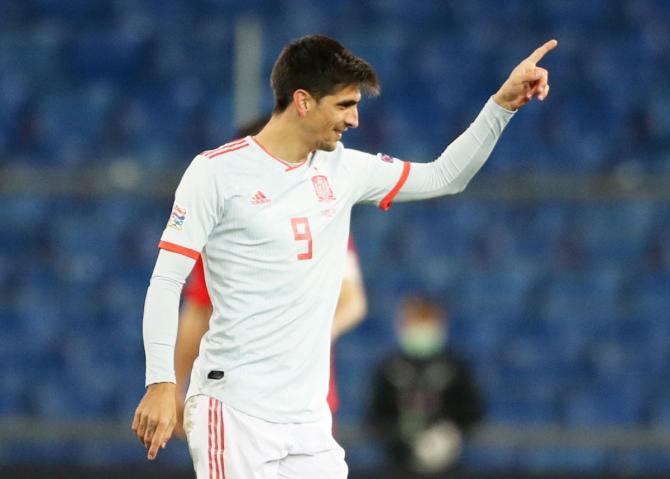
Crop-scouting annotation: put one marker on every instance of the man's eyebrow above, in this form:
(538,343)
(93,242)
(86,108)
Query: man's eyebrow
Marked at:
(347,103)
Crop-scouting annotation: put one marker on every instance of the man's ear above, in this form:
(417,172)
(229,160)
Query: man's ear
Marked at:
(303,102)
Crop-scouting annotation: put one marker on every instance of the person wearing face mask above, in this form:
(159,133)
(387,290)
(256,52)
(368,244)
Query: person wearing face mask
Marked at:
(424,399)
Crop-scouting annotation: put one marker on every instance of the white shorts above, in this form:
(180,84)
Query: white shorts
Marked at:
(228,444)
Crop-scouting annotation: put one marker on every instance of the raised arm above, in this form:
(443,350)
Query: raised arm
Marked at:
(462,159)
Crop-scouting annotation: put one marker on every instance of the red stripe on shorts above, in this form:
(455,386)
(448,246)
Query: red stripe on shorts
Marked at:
(210,426)
(223,448)
(217,439)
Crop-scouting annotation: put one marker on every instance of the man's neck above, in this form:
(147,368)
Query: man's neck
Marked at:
(283,139)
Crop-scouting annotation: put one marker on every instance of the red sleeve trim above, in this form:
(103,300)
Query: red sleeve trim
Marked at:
(385,204)
(175,248)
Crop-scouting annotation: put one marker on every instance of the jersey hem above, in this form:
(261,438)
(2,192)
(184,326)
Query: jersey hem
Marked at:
(260,413)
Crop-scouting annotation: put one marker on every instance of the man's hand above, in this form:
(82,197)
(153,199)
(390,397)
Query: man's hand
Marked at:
(155,417)
(526,81)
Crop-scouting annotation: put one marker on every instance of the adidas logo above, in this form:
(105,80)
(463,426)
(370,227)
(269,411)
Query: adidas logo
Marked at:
(259,198)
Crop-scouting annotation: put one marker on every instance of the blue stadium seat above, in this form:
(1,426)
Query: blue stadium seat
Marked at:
(554,460)
(489,458)
(75,11)
(603,405)
(12,384)
(644,461)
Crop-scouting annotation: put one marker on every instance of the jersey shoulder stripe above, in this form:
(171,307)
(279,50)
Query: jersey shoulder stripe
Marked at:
(227,148)
(226,145)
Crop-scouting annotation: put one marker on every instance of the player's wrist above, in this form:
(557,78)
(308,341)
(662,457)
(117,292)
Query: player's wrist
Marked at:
(161,386)
(500,100)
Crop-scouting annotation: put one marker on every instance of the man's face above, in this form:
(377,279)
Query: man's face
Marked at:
(333,115)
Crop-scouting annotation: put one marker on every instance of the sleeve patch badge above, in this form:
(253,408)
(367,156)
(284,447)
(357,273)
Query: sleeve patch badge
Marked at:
(177,218)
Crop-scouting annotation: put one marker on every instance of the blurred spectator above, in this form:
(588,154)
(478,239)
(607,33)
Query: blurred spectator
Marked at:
(424,398)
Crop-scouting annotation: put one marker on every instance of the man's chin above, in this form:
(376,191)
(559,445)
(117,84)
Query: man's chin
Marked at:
(327,146)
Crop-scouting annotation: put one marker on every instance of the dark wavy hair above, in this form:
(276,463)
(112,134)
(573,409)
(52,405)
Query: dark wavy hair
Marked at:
(321,66)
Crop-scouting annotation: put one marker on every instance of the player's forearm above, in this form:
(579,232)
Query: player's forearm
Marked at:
(460,161)
(351,308)
(161,309)
(193,323)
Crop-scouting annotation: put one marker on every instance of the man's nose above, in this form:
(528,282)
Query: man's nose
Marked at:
(352,118)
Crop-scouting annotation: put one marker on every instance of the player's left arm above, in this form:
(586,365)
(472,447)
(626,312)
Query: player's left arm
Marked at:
(463,158)
(352,305)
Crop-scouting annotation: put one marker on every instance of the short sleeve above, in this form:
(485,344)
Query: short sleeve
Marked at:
(196,210)
(377,178)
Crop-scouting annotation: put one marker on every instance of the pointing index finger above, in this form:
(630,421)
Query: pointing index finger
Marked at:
(537,55)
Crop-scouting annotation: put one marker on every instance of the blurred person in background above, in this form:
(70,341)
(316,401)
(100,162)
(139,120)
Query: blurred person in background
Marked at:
(270,214)
(424,398)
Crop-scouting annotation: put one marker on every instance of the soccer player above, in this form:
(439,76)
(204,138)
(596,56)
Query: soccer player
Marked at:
(197,309)
(270,216)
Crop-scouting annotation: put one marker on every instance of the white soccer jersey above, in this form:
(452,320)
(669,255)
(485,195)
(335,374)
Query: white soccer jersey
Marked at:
(273,237)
